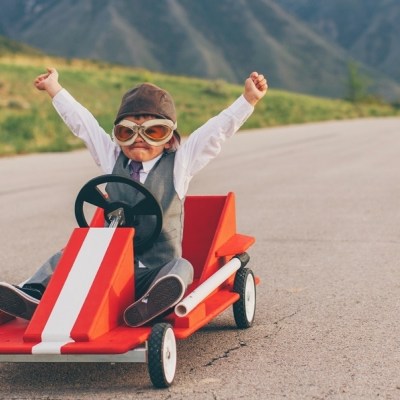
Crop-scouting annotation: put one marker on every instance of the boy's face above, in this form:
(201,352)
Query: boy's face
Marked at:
(140,150)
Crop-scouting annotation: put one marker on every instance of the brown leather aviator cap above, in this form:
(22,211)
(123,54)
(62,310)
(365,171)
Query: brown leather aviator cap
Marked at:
(147,99)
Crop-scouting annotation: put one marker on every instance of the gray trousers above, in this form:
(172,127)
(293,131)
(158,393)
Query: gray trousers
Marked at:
(144,277)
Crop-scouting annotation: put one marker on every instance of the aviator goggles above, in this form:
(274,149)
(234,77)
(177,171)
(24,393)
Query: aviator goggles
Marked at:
(155,132)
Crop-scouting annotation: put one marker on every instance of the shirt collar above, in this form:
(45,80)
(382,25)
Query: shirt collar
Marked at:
(148,165)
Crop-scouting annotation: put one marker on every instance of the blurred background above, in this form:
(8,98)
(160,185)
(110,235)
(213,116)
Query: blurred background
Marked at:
(313,52)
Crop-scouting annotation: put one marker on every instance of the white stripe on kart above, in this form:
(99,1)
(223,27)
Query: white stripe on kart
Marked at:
(57,330)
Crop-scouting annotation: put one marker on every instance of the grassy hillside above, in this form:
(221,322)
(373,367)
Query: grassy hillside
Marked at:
(29,123)
(8,46)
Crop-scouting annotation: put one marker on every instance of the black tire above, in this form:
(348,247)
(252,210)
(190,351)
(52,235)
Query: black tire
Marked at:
(162,355)
(244,309)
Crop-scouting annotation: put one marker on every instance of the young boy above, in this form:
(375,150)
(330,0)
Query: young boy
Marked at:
(145,146)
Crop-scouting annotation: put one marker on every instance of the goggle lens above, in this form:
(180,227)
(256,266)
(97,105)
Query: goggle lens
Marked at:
(157,132)
(122,133)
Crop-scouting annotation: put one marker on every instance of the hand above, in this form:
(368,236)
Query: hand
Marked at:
(255,88)
(48,82)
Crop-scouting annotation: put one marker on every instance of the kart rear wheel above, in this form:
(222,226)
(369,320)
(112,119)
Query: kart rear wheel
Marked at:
(244,309)
(162,355)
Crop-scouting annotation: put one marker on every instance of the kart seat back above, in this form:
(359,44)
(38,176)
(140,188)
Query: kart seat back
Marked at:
(209,222)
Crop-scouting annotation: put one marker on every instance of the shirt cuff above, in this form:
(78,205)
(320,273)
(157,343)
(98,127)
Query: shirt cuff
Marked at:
(240,110)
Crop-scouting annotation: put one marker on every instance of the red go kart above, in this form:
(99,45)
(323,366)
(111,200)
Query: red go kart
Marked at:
(79,318)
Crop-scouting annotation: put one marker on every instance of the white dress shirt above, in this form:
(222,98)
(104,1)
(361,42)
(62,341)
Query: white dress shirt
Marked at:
(193,154)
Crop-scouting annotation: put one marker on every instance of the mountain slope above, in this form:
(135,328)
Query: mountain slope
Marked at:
(224,39)
(368,29)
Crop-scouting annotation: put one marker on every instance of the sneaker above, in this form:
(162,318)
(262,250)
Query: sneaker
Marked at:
(35,290)
(16,302)
(164,294)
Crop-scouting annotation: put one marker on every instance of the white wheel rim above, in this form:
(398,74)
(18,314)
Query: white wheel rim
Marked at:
(169,355)
(250,297)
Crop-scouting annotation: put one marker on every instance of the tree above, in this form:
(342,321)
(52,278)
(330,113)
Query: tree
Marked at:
(357,84)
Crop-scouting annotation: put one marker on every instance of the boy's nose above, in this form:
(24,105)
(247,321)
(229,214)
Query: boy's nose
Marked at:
(139,139)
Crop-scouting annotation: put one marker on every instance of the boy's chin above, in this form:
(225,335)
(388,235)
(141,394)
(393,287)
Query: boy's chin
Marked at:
(140,154)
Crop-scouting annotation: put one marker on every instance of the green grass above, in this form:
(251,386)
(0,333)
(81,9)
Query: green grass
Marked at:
(29,123)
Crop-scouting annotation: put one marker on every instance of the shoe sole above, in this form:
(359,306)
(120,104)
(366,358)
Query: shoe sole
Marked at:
(163,295)
(16,303)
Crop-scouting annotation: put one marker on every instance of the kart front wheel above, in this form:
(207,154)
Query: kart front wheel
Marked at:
(244,309)
(162,355)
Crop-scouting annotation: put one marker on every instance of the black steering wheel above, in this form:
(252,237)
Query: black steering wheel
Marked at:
(138,208)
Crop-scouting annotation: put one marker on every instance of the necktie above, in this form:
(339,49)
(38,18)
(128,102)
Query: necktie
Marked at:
(135,168)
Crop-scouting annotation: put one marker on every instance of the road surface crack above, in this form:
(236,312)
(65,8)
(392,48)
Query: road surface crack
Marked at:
(276,323)
(242,343)
(226,353)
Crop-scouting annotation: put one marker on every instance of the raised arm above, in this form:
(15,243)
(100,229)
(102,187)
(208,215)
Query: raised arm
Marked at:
(205,143)
(79,120)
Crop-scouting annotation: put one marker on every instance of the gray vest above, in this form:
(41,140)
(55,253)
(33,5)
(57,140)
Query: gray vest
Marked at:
(160,182)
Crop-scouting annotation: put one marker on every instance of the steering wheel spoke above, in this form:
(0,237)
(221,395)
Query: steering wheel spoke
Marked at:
(96,197)
(146,233)
(145,207)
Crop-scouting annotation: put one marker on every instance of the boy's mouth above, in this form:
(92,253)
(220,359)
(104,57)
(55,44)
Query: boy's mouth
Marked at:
(138,146)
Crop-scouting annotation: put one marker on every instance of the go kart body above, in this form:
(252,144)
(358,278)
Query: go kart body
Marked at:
(80,316)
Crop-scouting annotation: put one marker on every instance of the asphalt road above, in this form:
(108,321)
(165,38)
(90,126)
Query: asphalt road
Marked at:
(322,201)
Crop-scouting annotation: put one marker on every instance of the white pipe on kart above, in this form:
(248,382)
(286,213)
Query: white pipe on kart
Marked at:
(208,286)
